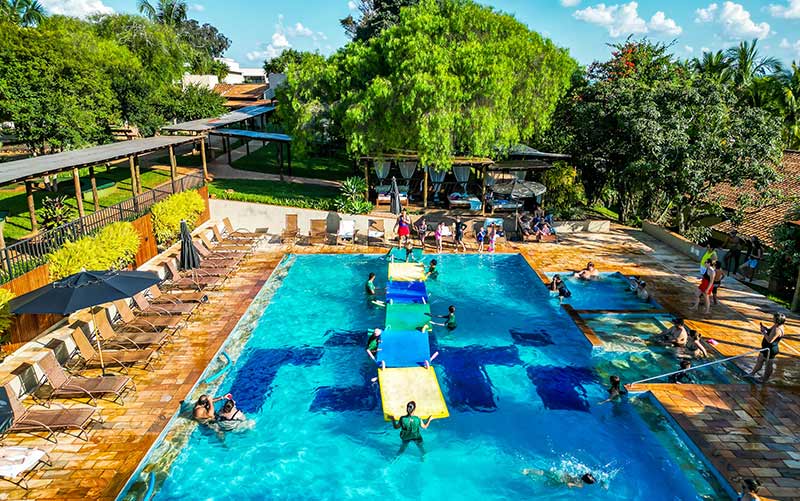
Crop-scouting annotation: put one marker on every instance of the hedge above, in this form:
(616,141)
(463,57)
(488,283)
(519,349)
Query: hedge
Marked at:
(113,247)
(5,314)
(167,215)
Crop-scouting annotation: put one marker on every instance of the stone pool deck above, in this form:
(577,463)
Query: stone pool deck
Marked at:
(763,421)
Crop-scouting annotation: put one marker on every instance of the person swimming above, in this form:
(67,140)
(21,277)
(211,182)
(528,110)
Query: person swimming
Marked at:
(683,377)
(616,390)
(229,411)
(450,321)
(571,480)
(432,271)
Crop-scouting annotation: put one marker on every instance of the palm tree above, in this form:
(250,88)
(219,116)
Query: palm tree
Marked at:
(746,63)
(713,65)
(168,12)
(789,103)
(22,12)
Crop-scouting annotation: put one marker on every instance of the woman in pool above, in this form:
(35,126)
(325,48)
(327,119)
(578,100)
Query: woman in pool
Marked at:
(616,390)
(409,426)
(370,290)
(771,344)
(642,292)
(204,408)
(563,477)
(558,285)
(706,288)
(229,411)
(438,236)
(450,323)
(587,273)
(694,346)
(403,227)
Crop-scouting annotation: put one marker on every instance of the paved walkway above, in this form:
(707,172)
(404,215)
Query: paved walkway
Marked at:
(220,169)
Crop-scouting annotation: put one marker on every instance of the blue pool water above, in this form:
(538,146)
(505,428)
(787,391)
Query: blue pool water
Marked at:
(609,291)
(517,375)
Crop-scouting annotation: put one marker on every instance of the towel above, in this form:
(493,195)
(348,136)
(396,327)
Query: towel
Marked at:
(16,460)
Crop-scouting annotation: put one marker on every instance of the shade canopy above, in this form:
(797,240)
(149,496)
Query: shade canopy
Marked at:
(520,189)
(83,290)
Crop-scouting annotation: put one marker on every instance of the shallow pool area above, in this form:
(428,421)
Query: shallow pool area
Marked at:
(608,291)
(521,382)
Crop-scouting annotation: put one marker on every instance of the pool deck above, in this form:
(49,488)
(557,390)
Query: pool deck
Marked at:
(745,430)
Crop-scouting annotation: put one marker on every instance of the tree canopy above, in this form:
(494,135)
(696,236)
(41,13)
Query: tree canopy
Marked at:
(451,77)
(375,16)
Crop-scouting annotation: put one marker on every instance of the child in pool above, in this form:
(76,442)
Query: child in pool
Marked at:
(450,321)
(571,480)
(432,271)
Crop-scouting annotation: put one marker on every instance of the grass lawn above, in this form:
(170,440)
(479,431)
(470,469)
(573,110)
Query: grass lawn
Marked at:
(604,212)
(336,168)
(275,193)
(13,199)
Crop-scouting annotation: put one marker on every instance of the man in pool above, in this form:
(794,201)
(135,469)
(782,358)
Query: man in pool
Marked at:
(683,377)
(371,291)
(204,408)
(229,411)
(450,321)
(373,346)
(558,285)
(587,273)
(409,426)
(677,335)
(563,477)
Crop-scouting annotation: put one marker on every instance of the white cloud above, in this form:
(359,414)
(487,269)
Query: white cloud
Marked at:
(790,11)
(298,30)
(784,44)
(352,5)
(660,23)
(688,48)
(735,20)
(570,3)
(76,8)
(321,36)
(197,7)
(279,41)
(619,20)
(705,49)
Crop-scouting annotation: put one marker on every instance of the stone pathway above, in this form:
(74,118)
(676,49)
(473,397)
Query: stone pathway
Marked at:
(220,169)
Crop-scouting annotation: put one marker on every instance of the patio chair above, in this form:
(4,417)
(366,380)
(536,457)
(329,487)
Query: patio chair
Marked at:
(145,307)
(17,464)
(157,296)
(217,258)
(120,357)
(223,248)
(125,319)
(290,230)
(347,231)
(231,232)
(237,243)
(67,386)
(376,231)
(50,421)
(319,232)
(189,280)
(133,337)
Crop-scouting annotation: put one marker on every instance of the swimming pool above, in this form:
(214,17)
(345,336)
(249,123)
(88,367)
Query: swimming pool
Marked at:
(609,291)
(518,377)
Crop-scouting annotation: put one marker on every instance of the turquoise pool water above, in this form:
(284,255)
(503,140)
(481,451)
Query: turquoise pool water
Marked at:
(609,291)
(519,378)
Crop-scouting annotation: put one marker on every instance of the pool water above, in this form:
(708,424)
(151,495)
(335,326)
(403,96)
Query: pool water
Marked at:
(625,351)
(519,379)
(609,291)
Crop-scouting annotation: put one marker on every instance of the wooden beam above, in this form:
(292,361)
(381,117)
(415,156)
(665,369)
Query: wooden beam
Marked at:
(203,157)
(95,198)
(76,179)
(138,175)
(31,206)
(366,179)
(172,167)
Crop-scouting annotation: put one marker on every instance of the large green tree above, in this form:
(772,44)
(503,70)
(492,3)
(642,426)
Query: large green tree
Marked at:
(451,77)
(375,16)
(789,104)
(168,12)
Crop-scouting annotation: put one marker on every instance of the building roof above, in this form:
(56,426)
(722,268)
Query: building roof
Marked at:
(761,222)
(27,168)
(251,92)
(206,124)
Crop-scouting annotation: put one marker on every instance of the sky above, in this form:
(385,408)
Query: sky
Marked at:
(262,29)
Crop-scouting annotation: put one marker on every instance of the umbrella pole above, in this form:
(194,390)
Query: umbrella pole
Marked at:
(97,341)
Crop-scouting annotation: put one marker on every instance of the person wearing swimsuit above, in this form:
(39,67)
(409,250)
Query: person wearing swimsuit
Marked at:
(458,235)
(410,426)
(480,237)
(770,343)
(403,227)
(706,287)
(719,274)
(438,236)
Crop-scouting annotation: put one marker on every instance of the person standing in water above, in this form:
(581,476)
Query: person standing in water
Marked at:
(371,291)
(450,321)
(432,271)
(409,426)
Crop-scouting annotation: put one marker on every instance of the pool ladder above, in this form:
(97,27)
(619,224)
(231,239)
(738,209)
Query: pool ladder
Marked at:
(715,362)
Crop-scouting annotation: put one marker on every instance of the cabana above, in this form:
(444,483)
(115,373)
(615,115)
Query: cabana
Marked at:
(282,140)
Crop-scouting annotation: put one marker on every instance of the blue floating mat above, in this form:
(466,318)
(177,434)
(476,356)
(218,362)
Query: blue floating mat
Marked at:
(406,292)
(404,348)
(400,255)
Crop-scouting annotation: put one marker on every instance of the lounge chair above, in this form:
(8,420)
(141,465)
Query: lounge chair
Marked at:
(49,421)
(188,280)
(223,248)
(236,243)
(347,231)
(291,230)
(157,296)
(134,336)
(17,464)
(121,357)
(217,258)
(125,319)
(231,232)
(145,307)
(319,232)
(376,231)
(67,386)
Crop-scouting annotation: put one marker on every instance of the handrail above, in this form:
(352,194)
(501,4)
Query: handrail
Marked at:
(699,366)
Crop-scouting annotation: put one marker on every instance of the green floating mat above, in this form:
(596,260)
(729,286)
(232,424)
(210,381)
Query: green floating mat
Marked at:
(407,317)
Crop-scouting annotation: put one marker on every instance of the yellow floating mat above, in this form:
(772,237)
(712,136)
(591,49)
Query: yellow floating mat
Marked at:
(402,385)
(406,272)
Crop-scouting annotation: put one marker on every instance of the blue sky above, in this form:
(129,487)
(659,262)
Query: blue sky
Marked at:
(261,29)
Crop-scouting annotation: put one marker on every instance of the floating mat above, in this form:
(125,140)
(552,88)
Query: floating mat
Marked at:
(406,272)
(404,348)
(400,386)
(407,317)
(400,255)
(406,292)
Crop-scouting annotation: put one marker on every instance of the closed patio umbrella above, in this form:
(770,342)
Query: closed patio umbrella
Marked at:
(190,258)
(396,207)
(84,290)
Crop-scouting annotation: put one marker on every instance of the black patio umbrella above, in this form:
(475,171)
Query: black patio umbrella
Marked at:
(520,189)
(190,258)
(84,290)
(396,207)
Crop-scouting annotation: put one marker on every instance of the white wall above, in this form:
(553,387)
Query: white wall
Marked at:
(207,81)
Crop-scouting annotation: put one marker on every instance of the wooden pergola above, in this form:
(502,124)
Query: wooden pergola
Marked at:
(282,140)
(29,169)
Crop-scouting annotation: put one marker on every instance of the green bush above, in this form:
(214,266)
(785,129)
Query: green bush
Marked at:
(565,191)
(352,200)
(167,215)
(114,247)
(306,196)
(5,314)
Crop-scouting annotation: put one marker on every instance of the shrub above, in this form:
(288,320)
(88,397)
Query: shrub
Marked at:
(167,215)
(114,247)
(352,200)
(5,314)
(55,212)
(564,189)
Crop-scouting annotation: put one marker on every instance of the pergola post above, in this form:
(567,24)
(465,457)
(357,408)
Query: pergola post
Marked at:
(280,159)
(95,198)
(203,157)
(366,178)
(483,191)
(76,179)
(228,148)
(138,175)
(425,187)
(289,157)
(247,146)
(31,206)
(172,167)
(134,181)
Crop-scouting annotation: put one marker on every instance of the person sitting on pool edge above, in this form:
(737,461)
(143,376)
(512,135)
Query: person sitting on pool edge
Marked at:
(558,285)
(674,336)
(371,291)
(373,346)
(562,477)
(204,408)
(450,323)
(409,426)
(750,488)
(587,273)
(683,377)
(432,271)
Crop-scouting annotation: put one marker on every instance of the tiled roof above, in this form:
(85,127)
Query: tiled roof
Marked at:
(241,91)
(761,222)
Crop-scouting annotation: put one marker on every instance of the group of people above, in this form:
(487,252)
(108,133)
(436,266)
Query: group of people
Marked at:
(486,238)
(712,274)
(229,416)
(754,254)
(559,287)
(536,224)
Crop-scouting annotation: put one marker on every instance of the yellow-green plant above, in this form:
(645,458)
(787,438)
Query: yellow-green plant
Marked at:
(5,314)
(112,248)
(167,215)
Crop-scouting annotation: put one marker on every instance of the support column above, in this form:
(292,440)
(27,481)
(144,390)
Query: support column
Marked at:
(31,206)
(280,159)
(796,297)
(172,167)
(228,149)
(247,146)
(76,179)
(483,191)
(366,177)
(289,155)
(134,181)
(95,198)
(203,157)
(425,187)
(138,175)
